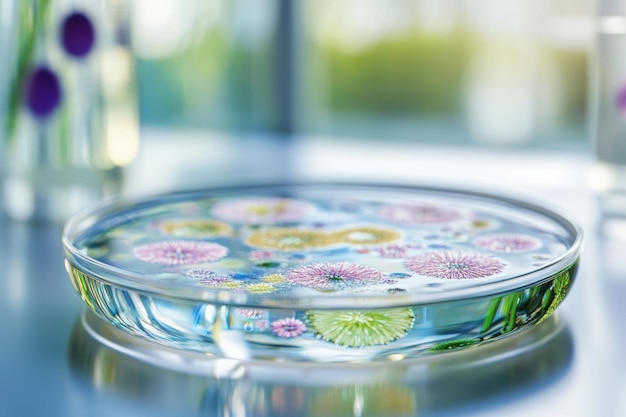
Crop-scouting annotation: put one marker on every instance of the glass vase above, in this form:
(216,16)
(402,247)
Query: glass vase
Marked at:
(69,104)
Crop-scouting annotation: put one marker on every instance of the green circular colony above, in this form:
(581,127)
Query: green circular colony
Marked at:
(361,328)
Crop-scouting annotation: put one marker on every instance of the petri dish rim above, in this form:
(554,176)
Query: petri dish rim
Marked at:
(83,221)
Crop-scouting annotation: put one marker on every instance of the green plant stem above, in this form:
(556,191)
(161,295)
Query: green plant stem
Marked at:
(29,31)
(511,304)
(491,314)
(547,299)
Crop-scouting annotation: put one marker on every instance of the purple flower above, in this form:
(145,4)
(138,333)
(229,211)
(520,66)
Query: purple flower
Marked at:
(334,275)
(180,252)
(77,34)
(262,210)
(507,242)
(418,214)
(43,92)
(287,328)
(455,264)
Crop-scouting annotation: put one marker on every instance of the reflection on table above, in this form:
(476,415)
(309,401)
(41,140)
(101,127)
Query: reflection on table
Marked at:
(188,382)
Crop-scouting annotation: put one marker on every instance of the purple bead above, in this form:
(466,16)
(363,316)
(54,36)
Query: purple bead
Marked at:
(43,92)
(77,34)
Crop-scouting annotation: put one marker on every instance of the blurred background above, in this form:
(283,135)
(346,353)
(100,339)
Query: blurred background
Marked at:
(463,72)
(195,93)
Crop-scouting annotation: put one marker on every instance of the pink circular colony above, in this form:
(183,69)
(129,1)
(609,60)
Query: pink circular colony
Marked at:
(454,264)
(259,254)
(334,275)
(392,251)
(507,242)
(180,252)
(262,210)
(287,328)
(215,281)
(418,214)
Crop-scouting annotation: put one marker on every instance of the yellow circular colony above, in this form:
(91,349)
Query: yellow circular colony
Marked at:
(273,278)
(260,288)
(196,228)
(289,239)
(367,236)
(297,239)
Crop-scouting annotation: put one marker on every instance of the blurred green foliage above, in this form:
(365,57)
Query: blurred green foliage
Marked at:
(574,73)
(412,74)
(407,86)
(214,84)
(185,88)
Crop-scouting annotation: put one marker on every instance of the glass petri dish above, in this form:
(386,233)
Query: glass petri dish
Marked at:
(322,272)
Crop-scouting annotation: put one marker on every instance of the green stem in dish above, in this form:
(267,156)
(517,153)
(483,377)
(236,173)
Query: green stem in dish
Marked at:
(454,344)
(547,298)
(535,297)
(491,314)
(561,287)
(511,304)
